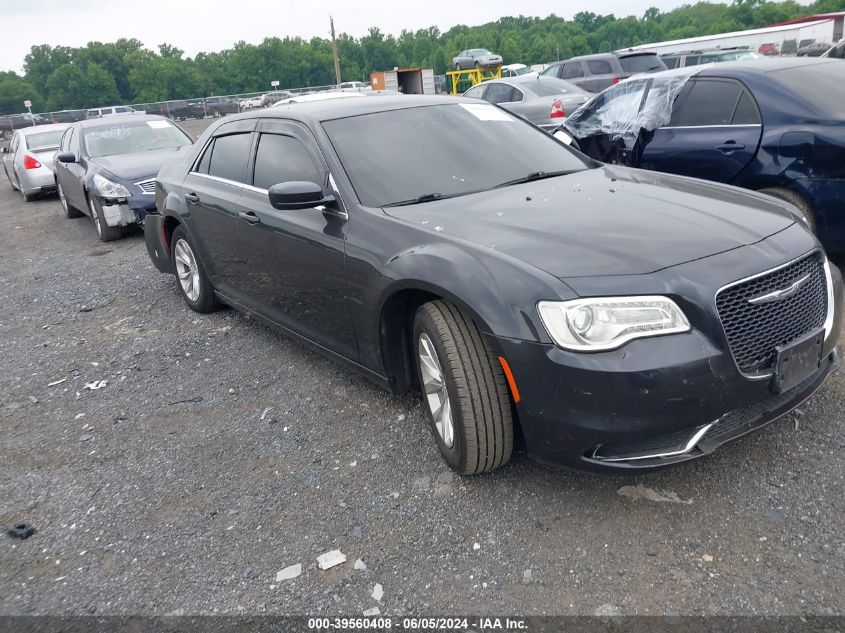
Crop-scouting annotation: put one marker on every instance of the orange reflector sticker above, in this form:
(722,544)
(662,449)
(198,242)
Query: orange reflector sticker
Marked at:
(509,375)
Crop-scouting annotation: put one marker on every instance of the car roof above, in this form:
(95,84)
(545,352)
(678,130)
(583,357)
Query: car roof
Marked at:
(329,109)
(758,67)
(111,121)
(49,127)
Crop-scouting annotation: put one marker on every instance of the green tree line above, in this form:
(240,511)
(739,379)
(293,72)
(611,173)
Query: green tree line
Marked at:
(61,77)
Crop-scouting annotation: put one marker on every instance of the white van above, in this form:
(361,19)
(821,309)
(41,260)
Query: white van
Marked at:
(98,113)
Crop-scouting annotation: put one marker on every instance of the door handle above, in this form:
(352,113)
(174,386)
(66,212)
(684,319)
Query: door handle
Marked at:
(249,217)
(730,146)
(192,198)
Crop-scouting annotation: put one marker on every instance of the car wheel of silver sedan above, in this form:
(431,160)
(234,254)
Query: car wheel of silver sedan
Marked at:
(190,275)
(464,390)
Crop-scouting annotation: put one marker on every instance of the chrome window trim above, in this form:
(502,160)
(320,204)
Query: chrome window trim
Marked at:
(828,323)
(694,127)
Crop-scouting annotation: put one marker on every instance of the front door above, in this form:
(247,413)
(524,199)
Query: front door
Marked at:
(294,260)
(71,176)
(714,132)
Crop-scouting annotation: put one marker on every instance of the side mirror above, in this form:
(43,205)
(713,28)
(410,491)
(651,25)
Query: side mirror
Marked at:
(66,157)
(5,150)
(298,194)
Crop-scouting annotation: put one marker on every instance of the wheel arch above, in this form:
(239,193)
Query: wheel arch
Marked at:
(396,323)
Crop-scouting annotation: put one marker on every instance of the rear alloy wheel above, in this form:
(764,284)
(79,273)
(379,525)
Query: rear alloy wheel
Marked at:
(193,282)
(70,211)
(790,196)
(105,232)
(464,390)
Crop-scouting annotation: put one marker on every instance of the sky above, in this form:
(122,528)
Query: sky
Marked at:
(212,25)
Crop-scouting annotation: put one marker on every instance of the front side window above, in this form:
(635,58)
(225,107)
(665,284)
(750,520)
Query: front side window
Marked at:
(282,158)
(442,161)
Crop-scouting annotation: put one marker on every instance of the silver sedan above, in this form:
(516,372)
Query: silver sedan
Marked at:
(544,101)
(28,159)
(476,58)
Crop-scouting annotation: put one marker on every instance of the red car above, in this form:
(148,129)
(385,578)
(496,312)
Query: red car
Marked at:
(769,49)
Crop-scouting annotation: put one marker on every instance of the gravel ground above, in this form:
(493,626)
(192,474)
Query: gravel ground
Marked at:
(219,453)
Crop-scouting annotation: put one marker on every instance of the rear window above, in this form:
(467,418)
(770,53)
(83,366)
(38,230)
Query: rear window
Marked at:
(44,140)
(820,85)
(641,63)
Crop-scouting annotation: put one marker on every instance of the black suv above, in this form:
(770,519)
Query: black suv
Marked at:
(596,72)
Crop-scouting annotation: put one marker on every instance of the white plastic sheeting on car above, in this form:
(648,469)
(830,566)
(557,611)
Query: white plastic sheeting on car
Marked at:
(620,111)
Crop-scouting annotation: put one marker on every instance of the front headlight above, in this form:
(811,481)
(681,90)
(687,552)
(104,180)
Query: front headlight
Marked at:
(108,189)
(604,323)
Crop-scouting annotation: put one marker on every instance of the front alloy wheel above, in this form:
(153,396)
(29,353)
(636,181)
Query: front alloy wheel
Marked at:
(435,392)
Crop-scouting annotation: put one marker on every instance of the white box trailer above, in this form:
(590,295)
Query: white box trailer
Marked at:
(411,81)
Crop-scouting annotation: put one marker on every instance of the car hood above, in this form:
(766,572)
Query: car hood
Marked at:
(137,165)
(605,221)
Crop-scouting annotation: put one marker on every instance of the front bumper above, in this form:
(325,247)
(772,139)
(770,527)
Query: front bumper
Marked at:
(125,211)
(654,402)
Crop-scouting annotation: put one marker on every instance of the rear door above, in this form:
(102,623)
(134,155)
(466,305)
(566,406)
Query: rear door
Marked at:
(294,260)
(714,132)
(212,191)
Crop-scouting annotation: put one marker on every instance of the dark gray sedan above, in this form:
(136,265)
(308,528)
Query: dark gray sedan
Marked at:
(544,101)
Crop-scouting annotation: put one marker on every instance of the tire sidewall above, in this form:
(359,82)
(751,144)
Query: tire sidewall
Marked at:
(455,456)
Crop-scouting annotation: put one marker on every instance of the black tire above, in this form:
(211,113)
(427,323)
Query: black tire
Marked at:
(475,65)
(792,197)
(477,390)
(458,67)
(71,212)
(105,232)
(206,301)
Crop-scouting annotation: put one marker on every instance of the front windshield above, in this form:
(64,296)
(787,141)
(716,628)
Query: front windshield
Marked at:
(44,140)
(450,150)
(128,137)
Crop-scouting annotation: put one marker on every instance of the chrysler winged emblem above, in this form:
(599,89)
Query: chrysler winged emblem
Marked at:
(783,293)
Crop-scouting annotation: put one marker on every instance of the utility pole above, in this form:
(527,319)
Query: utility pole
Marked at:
(334,51)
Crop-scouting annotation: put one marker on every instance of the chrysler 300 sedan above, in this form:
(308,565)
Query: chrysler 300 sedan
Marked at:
(623,319)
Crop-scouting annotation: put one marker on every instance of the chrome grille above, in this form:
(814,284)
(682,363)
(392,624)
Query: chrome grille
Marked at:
(147,186)
(754,331)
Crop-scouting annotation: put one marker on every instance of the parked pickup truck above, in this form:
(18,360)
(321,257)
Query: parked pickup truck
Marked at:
(219,106)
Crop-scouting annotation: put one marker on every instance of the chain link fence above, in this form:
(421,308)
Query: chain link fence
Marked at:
(176,109)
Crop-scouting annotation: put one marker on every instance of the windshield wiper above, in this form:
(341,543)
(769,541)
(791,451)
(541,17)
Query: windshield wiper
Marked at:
(426,197)
(536,175)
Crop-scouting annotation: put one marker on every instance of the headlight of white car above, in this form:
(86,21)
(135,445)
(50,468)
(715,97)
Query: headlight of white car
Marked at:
(604,323)
(108,189)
